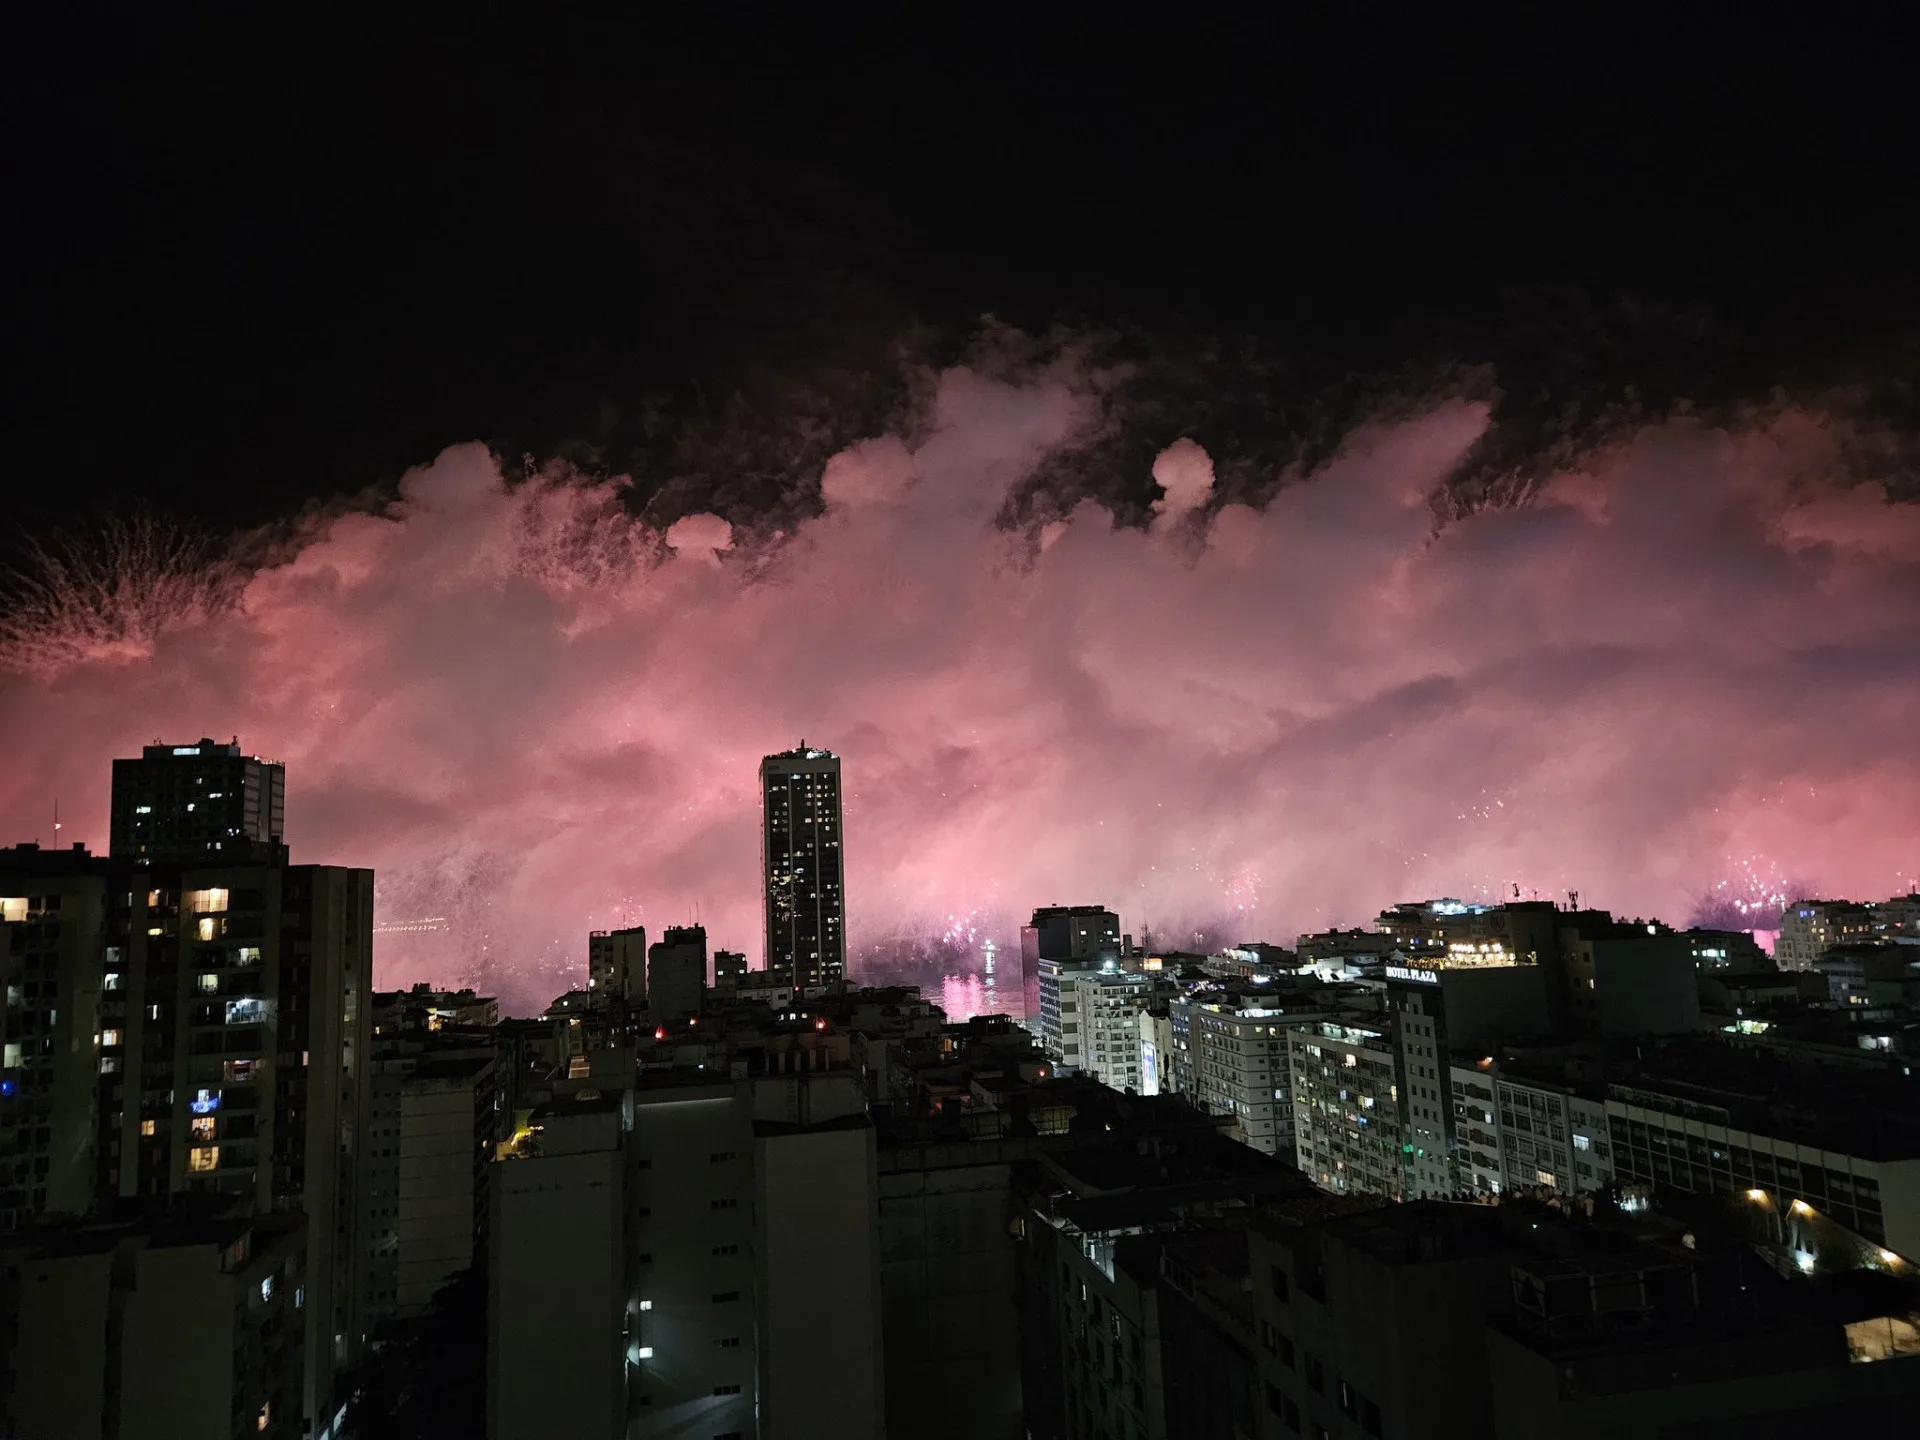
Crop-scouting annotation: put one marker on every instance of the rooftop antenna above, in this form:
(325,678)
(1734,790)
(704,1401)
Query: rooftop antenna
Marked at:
(1573,899)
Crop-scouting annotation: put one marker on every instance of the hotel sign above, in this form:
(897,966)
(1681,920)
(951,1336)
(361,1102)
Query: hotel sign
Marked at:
(1418,977)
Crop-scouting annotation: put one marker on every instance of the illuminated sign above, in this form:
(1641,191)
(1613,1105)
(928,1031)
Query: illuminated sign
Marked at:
(186,749)
(205,1103)
(1418,977)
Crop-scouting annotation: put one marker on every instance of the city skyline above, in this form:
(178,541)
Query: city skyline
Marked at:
(1268,811)
(959,951)
(1351,585)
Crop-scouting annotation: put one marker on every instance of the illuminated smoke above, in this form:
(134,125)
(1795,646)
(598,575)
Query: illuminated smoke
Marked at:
(536,714)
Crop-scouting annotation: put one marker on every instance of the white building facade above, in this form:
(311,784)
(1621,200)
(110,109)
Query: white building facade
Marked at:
(1240,1069)
(1090,1018)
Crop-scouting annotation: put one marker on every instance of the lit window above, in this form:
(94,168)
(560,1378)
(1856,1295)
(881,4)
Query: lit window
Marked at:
(266,1287)
(203,1158)
(149,1127)
(209,983)
(204,1127)
(112,980)
(265,1418)
(109,1037)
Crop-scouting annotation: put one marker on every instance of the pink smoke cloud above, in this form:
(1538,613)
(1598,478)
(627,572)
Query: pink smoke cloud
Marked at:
(535,714)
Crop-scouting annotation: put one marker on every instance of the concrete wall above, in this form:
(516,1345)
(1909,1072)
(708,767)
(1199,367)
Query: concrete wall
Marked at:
(556,1358)
(438,1159)
(1900,1206)
(177,1343)
(339,1109)
(818,1273)
(60,1359)
(1646,987)
(948,1286)
(694,1218)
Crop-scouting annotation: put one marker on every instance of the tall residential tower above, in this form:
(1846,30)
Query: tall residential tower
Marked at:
(800,863)
(200,804)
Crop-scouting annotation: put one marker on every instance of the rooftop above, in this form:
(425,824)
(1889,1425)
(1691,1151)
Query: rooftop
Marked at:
(1874,1115)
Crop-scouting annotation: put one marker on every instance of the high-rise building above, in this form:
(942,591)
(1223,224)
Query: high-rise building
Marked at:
(206,803)
(192,1016)
(1090,1018)
(759,1220)
(430,1136)
(617,966)
(236,1018)
(1344,1074)
(53,918)
(801,866)
(676,973)
(698,1255)
(213,1042)
(563,1346)
(1239,1067)
(1062,932)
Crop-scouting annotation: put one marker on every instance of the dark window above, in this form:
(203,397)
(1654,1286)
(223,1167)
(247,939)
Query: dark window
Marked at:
(726,1389)
(1280,1287)
(1289,1413)
(1316,1373)
(721,1297)
(1370,1416)
(1349,1401)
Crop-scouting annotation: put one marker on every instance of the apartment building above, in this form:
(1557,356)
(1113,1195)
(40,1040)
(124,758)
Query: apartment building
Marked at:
(1347,1121)
(1090,1017)
(186,1324)
(1240,1068)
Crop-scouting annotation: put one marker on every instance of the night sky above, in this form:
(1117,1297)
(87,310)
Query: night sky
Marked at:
(1493,454)
(343,247)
